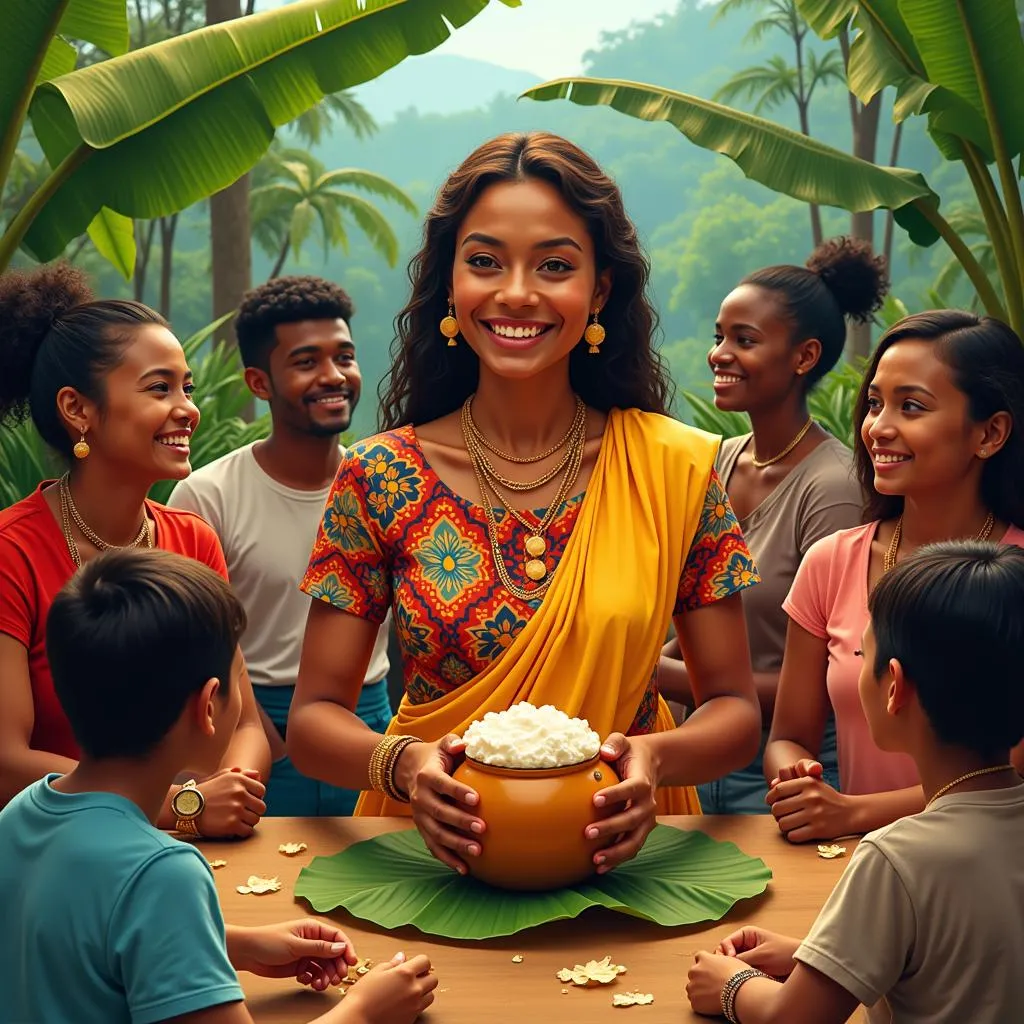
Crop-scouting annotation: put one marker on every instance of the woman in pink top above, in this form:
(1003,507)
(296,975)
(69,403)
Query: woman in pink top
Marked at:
(939,460)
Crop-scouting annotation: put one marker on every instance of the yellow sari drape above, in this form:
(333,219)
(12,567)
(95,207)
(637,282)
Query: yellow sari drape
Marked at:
(592,645)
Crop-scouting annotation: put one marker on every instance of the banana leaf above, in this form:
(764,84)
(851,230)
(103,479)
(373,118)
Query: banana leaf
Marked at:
(678,878)
(153,131)
(784,160)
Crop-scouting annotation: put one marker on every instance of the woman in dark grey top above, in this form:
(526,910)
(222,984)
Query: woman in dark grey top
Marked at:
(790,482)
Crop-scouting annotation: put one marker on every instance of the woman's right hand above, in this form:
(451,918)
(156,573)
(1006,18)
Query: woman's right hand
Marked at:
(392,993)
(234,804)
(441,807)
(765,950)
(805,768)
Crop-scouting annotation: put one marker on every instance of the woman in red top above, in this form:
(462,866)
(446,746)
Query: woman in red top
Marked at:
(108,388)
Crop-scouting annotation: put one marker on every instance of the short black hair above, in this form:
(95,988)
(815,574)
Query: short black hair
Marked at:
(952,614)
(285,300)
(54,335)
(131,636)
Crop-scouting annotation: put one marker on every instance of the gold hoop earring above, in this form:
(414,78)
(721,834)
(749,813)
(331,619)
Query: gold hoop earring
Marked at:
(82,448)
(594,335)
(449,326)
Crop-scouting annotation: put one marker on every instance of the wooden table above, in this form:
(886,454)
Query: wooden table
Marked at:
(478,981)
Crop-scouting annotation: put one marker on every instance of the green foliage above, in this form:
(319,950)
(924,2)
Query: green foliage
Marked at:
(958,65)
(152,131)
(297,193)
(24,461)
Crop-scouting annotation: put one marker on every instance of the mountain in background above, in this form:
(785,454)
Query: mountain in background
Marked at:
(436,83)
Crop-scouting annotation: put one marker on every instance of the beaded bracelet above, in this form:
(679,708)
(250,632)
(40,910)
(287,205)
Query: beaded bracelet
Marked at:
(732,987)
(383,762)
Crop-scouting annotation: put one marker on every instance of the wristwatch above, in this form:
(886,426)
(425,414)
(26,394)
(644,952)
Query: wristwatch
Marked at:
(187,804)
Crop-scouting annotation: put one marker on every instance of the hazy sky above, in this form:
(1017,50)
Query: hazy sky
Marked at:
(547,37)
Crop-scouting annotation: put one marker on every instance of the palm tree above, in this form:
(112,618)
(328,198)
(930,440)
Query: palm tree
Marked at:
(311,125)
(295,194)
(776,81)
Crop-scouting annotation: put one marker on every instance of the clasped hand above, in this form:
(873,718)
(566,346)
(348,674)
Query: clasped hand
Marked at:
(443,809)
(806,807)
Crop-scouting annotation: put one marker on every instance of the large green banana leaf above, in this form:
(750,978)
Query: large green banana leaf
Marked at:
(962,63)
(32,51)
(784,160)
(150,132)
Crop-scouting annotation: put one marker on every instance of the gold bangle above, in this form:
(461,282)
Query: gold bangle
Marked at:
(382,764)
(392,763)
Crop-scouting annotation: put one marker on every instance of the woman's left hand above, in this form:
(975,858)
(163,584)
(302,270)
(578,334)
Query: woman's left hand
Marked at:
(627,828)
(707,978)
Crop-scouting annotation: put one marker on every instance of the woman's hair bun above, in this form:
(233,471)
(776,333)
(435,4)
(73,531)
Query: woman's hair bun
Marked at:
(30,301)
(856,277)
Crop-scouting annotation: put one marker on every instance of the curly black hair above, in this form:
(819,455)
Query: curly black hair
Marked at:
(285,300)
(428,381)
(54,335)
(842,278)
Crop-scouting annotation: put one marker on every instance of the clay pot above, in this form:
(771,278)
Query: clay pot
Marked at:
(535,821)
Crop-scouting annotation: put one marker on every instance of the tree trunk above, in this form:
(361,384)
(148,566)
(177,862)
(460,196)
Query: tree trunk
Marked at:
(816,229)
(168,226)
(894,156)
(229,217)
(144,230)
(281,257)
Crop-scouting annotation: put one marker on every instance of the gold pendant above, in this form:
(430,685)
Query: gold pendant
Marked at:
(536,546)
(536,570)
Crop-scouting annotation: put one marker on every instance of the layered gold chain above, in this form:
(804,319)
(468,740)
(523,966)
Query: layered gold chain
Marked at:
(490,483)
(889,559)
(69,514)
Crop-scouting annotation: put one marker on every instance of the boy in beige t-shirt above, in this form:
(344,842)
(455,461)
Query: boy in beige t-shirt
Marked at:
(927,923)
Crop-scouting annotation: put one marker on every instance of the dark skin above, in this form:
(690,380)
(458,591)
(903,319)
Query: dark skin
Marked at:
(758,370)
(312,384)
(524,259)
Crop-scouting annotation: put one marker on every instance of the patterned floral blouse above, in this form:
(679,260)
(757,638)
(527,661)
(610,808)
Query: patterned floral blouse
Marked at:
(395,535)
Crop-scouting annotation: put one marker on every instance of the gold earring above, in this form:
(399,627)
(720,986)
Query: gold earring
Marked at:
(449,326)
(594,335)
(82,448)
(983,452)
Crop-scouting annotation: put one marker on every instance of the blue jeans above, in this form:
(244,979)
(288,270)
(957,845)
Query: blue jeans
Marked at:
(289,792)
(743,792)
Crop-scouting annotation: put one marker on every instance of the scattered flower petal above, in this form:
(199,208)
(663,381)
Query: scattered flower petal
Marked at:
(259,886)
(593,972)
(291,849)
(829,852)
(632,999)
(218,864)
(518,958)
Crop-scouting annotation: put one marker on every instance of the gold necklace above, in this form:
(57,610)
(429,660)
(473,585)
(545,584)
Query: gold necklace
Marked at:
(894,545)
(579,423)
(535,545)
(970,775)
(761,463)
(69,513)
(581,412)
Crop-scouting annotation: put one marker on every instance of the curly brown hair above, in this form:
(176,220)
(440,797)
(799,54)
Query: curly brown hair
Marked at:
(54,335)
(428,380)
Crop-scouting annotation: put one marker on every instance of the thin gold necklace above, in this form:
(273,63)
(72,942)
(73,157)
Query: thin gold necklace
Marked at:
(889,561)
(970,775)
(581,411)
(69,513)
(761,463)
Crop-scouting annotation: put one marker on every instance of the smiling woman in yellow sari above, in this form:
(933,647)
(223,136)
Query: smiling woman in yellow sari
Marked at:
(532,515)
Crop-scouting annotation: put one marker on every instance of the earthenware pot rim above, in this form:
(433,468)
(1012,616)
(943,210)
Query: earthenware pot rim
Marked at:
(484,766)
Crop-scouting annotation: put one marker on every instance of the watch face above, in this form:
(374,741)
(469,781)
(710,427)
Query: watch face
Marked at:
(187,803)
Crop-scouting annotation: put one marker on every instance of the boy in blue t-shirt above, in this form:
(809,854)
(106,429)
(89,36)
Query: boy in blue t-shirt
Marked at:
(106,918)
